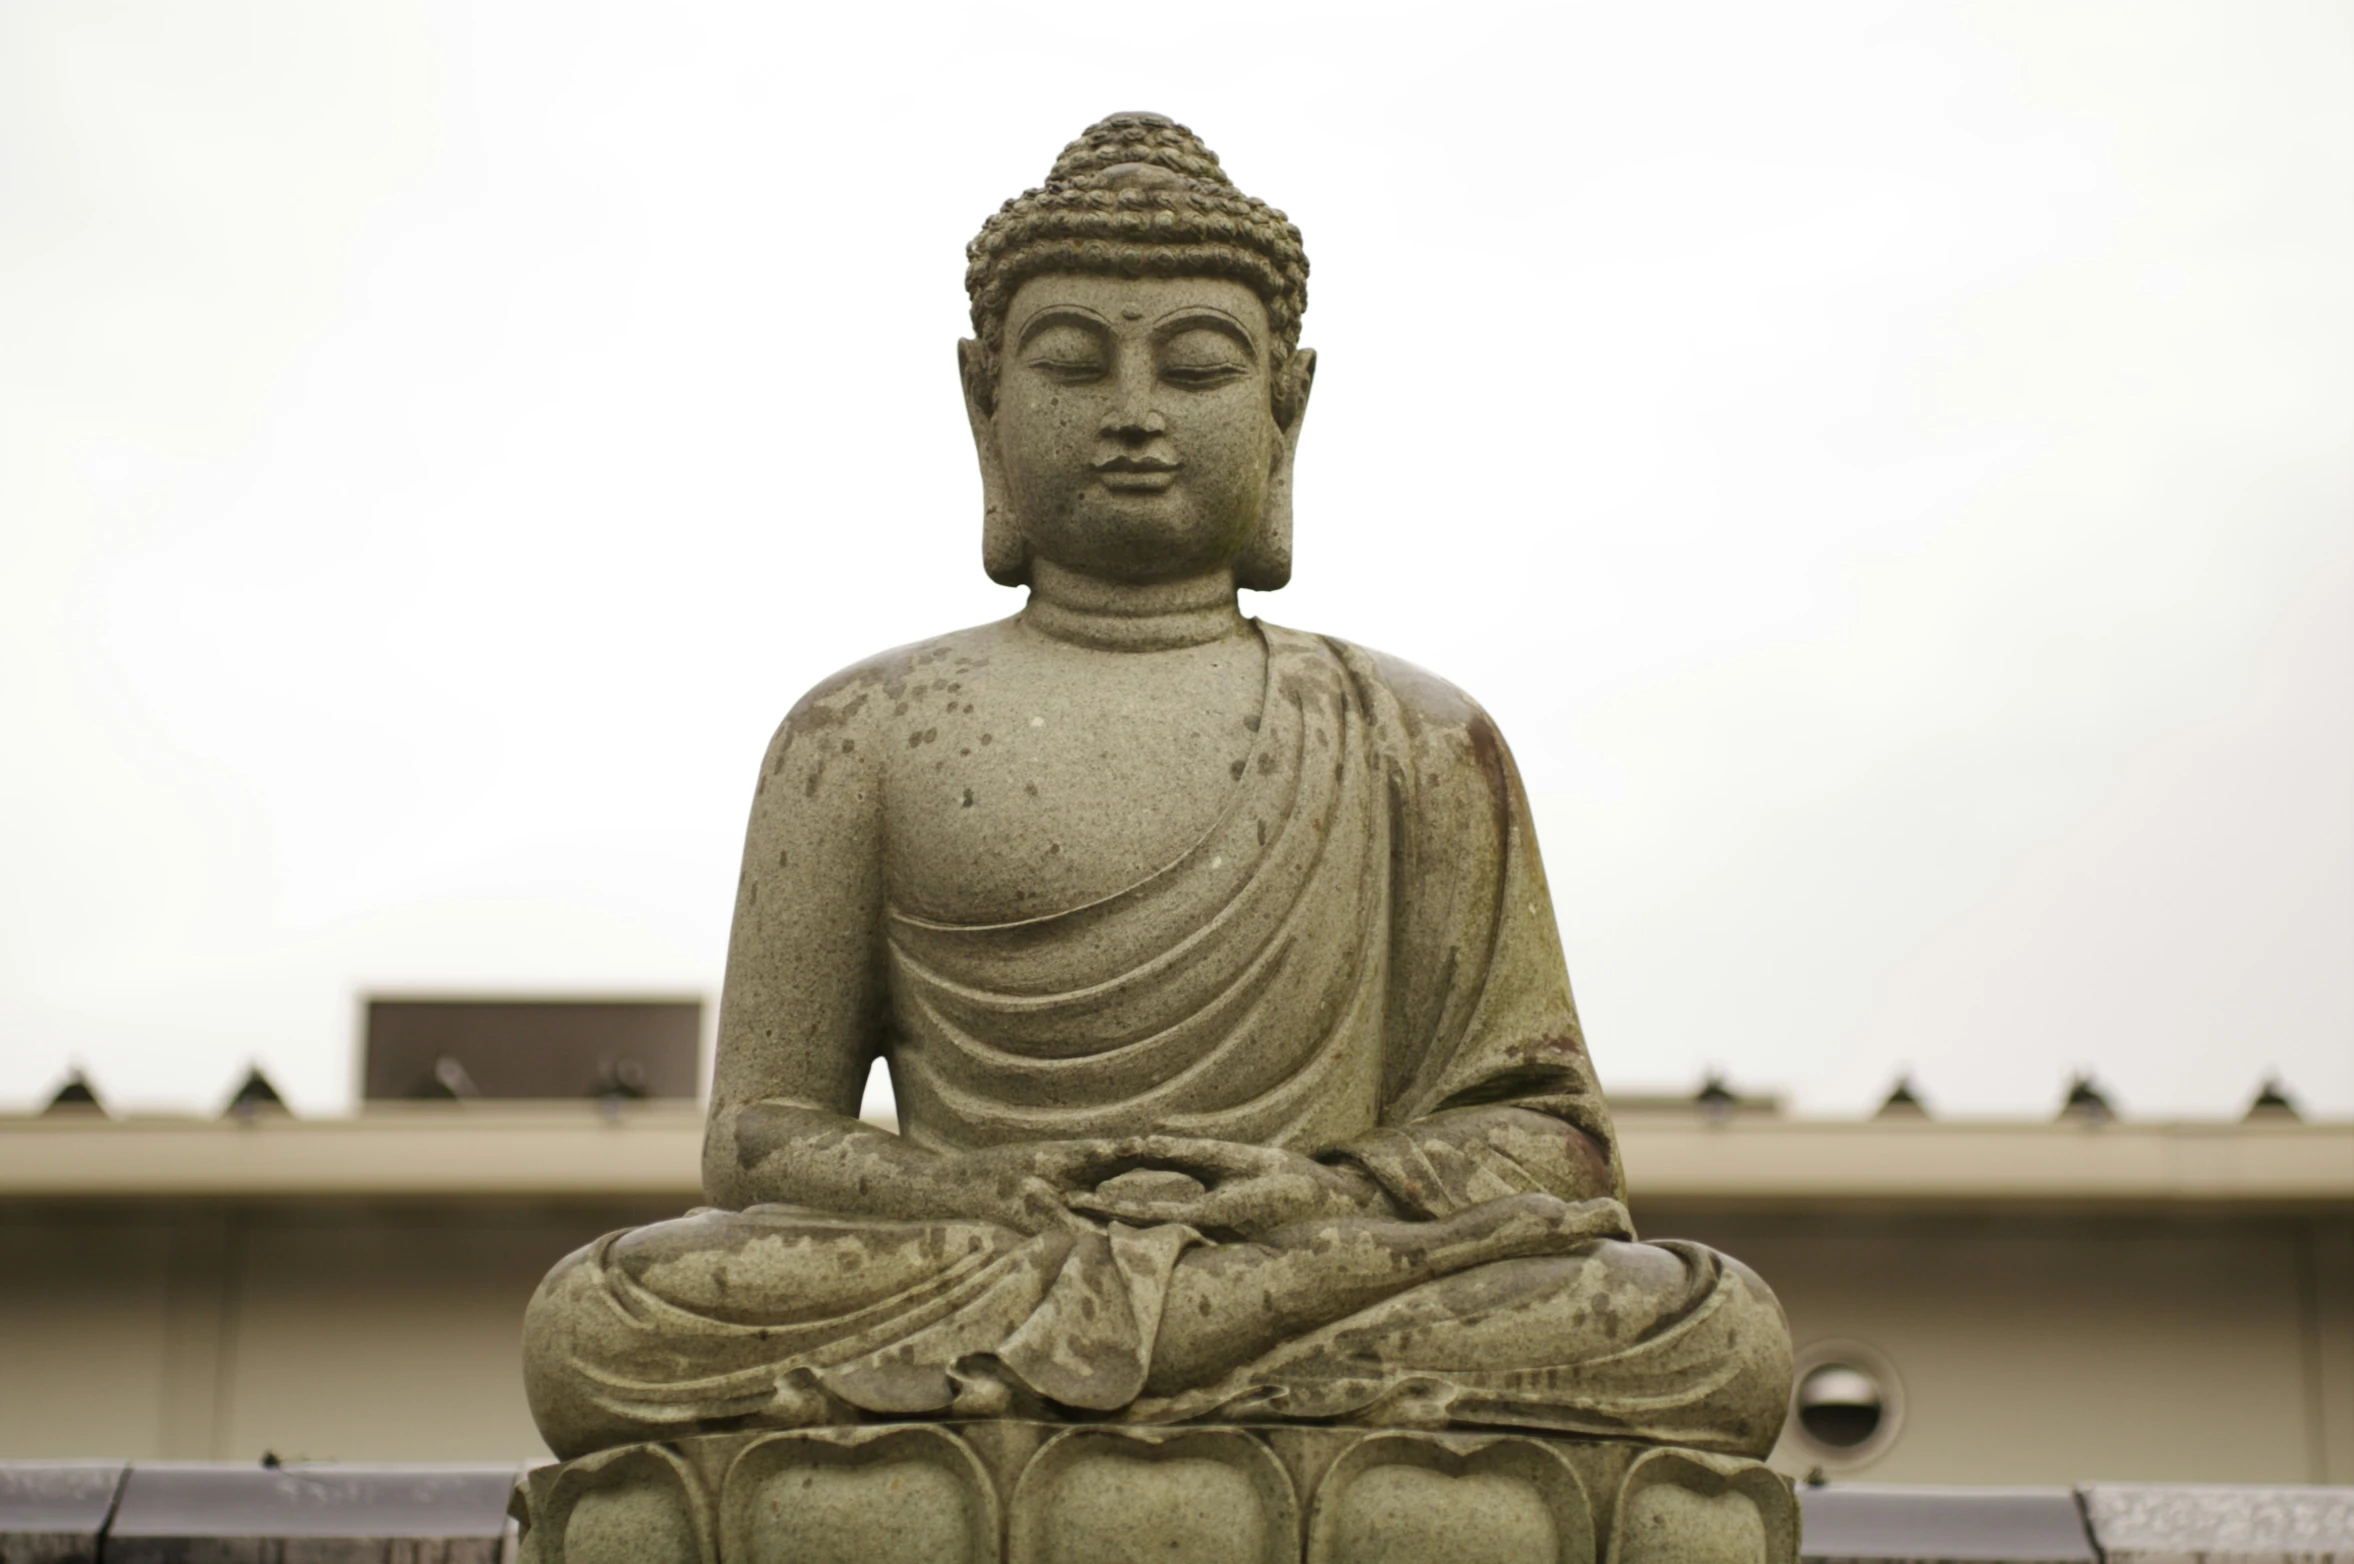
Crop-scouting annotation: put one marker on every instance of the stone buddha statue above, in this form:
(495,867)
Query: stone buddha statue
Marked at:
(1213,964)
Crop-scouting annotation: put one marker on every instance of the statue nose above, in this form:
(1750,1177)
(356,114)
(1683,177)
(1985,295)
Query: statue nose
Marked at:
(1129,423)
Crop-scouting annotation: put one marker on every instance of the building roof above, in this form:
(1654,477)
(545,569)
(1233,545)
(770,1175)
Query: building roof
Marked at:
(654,1150)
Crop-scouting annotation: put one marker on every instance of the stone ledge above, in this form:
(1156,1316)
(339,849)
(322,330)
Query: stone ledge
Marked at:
(58,1512)
(2173,1523)
(1872,1524)
(189,1512)
(54,1512)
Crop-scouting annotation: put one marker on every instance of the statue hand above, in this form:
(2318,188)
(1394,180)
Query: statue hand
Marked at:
(1030,1186)
(1242,1191)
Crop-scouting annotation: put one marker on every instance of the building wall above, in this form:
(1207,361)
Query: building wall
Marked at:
(2029,1349)
(329,1332)
(2059,1350)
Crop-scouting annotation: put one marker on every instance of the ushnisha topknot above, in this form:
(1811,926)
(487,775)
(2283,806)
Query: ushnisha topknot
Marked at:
(1137,195)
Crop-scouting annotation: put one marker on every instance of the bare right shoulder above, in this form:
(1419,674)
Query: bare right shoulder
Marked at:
(839,725)
(801,1014)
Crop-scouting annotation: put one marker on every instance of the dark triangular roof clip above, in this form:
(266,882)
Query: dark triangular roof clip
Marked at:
(255,1095)
(77,1095)
(2273,1102)
(2085,1101)
(1903,1102)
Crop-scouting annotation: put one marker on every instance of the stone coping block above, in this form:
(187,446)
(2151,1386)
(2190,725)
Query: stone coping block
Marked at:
(205,1513)
(1872,1523)
(1011,1492)
(55,1512)
(2183,1523)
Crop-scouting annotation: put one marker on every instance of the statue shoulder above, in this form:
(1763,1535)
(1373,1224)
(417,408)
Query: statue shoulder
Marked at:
(1428,704)
(1444,740)
(846,709)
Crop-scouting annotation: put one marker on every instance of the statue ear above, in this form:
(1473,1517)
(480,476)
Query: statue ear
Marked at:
(1265,565)
(1004,553)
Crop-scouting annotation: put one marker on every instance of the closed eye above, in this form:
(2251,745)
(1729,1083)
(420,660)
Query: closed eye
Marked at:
(1203,376)
(1070,370)
(1065,347)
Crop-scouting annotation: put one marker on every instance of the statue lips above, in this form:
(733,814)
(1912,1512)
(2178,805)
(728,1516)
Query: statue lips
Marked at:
(1125,474)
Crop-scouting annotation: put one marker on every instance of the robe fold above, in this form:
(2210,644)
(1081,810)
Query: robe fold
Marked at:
(1358,962)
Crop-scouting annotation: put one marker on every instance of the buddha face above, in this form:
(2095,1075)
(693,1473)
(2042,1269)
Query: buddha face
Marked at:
(1134,431)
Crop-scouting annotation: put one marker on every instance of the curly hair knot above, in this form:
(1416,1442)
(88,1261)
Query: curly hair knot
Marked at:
(1137,195)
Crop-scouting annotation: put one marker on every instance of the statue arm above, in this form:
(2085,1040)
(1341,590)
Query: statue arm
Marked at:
(800,1014)
(1490,1091)
(803,1013)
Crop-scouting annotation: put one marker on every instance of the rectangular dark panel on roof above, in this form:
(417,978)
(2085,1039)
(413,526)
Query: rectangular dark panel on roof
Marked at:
(53,1512)
(1869,1523)
(183,1513)
(532,1048)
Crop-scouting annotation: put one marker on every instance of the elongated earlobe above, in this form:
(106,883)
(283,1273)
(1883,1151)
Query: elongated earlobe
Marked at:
(1265,563)
(1004,552)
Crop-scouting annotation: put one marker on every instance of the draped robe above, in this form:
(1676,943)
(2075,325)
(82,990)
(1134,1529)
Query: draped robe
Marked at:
(1358,962)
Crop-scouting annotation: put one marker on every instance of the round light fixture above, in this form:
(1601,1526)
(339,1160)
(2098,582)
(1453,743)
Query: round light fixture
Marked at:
(1845,1404)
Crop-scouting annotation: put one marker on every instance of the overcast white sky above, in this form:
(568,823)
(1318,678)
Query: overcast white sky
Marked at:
(1889,468)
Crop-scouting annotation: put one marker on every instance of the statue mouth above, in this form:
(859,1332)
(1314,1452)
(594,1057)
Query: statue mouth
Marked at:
(1136,474)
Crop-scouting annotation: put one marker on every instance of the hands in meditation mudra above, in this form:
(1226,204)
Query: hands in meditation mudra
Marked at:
(1213,964)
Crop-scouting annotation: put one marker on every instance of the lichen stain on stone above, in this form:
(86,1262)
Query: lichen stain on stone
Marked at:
(814,715)
(1487,747)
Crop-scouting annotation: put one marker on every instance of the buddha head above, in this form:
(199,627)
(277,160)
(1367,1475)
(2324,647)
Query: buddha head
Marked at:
(1135,379)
